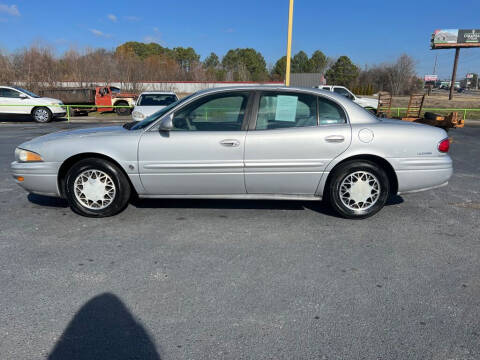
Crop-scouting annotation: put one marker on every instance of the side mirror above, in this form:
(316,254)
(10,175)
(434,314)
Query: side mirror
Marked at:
(23,96)
(166,124)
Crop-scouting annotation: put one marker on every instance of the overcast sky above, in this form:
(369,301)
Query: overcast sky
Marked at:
(369,32)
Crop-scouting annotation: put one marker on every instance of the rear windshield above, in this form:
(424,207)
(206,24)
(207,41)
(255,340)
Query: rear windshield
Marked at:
(156,100)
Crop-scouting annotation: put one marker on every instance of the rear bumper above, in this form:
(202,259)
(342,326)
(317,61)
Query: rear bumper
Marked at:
(38,178)
(420,174)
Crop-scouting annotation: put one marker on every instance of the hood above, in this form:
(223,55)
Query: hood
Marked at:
(78,133)
(48,100)
(148,110)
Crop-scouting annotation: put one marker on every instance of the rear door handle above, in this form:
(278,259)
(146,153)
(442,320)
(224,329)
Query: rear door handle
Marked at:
(335,138)
(230,143)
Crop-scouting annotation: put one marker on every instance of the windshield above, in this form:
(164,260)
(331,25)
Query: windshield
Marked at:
(29,93)
(114,89)
(155,116)
(156,99)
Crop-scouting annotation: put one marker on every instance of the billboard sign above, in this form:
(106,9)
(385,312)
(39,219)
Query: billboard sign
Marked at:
(430,78)
(470,76)
(451,38)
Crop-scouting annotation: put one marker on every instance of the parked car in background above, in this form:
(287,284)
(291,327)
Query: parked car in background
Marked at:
(367,103)
(255,142)
(150,102)
(18,101)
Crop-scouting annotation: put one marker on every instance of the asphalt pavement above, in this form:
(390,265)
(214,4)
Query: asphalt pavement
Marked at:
(184,279)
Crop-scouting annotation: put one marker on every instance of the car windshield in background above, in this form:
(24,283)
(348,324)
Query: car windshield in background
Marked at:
(156,100)
(114,89)
(29,93)
(155,116)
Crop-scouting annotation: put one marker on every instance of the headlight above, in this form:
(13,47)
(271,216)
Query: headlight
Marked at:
(26,156)
(138,114)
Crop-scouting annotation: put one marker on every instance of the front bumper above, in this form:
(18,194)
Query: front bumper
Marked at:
(38,177)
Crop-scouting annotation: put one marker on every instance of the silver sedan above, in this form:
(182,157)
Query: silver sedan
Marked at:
(259,142)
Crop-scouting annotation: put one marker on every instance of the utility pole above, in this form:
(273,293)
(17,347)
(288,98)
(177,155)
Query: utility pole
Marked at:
(289,43)
(435,65)
(454,73)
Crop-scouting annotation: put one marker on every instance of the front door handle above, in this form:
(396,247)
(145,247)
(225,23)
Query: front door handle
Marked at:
(335,138)
(230,143)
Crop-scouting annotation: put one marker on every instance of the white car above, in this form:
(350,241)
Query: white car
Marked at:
(149,102)
(367,103)
(18,101)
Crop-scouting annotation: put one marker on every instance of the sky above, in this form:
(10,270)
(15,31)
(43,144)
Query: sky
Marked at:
(368,31)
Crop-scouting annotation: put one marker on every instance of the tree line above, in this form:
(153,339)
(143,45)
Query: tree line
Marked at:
(135,62)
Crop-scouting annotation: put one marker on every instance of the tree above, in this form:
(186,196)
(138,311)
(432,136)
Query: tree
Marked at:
(318,62)
(142,50)
(279,68)
(401,74)
(245,64)
(211,61)
(343,72)
(186,57)
(300,63)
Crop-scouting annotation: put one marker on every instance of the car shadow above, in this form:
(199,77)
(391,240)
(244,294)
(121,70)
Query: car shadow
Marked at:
(321,207)
(102,329)
(25,118)
(49,201)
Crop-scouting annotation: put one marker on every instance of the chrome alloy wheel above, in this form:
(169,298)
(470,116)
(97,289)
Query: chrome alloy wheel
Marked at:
(94,189)
(41,115)
(359,190)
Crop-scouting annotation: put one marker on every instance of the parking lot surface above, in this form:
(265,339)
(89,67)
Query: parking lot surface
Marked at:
(184,279)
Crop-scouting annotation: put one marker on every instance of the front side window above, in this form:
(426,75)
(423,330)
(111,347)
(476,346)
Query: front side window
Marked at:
(9,93)
(223,112)
(156,100)
(286,110)
(330,112)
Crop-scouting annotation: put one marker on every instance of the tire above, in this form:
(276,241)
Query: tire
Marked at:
(368,199)
(91,172)
(122,111)
(42,114)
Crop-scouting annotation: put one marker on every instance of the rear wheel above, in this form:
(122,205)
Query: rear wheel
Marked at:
(122,111)
(358,189)
(42,114)
(97,188)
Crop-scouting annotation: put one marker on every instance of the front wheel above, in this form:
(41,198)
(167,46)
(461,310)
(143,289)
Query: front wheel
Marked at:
(42,115)
(97,188)
(358,189)
(123,111)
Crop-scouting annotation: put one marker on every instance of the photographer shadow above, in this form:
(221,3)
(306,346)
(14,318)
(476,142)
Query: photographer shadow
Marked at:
(104,329)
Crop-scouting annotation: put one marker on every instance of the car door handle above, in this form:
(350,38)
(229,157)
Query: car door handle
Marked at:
(230,142)
(335,138)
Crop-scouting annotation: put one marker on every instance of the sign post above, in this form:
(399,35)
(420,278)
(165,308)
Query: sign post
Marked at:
(289,43)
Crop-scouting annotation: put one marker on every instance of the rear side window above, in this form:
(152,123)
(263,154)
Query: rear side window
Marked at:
(286,110)
(330,112)
(326,88)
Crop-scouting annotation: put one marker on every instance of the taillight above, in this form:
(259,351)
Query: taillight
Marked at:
(444,145)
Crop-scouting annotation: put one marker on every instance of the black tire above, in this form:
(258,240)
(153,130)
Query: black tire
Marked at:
(123,111)
(357,167)
(121,184)
(42,114)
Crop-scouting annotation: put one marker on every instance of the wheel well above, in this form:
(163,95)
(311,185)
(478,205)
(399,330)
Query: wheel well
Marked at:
(39,106)
(384,164)
(67,164)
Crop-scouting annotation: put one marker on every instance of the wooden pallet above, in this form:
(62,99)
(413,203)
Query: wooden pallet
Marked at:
(384,104)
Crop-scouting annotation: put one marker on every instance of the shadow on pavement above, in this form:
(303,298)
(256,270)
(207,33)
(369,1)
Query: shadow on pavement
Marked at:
(47,201)
(102,329)
(25,118)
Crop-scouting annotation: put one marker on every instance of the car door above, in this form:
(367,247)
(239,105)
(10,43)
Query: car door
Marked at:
(203,154)
(11,102)
(292,138)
